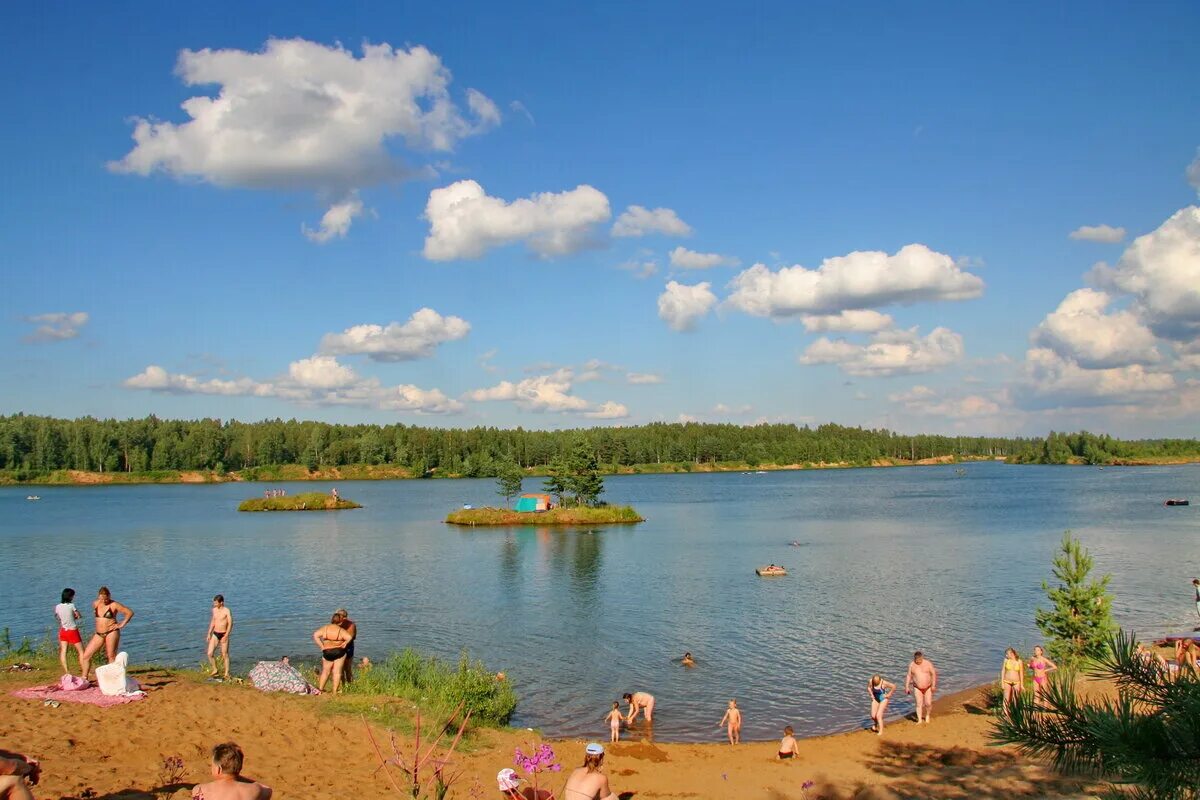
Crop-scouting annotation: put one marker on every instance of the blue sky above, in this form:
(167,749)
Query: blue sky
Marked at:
(909,180)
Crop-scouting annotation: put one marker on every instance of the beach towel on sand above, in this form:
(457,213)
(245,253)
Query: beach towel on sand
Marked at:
(91,696)
(275,676)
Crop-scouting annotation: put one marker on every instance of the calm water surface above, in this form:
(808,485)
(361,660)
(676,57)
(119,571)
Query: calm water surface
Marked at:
(890,560)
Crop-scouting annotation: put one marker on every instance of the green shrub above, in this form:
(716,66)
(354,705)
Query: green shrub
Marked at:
(42,655)
(439,687)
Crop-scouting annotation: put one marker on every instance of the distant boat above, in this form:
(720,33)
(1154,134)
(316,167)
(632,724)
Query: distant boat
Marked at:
(33,497)
(761,472)
(770,572)
(1178,502)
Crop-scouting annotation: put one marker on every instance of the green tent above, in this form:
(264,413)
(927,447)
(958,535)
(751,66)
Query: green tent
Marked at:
(527,504)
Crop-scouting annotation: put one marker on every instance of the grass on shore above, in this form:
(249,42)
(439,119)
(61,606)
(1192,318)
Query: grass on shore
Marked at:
(41,654)
(308,501)
(604,515)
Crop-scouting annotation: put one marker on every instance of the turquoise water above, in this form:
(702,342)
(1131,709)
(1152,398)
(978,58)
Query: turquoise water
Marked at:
(890,560)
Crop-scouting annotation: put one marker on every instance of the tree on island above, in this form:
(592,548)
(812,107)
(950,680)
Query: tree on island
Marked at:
(1147,741)
(1080,623)
(556,480)
(508,482)
(583,478)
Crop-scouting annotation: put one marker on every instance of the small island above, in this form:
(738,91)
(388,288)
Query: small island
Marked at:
(581,515)
(309,501)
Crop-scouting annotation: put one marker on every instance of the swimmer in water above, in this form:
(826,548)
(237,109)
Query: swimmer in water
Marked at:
(639,701)
(687,660)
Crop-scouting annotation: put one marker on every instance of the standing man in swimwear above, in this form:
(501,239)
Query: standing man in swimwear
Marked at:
(921,682)
(108,628)
(219,628)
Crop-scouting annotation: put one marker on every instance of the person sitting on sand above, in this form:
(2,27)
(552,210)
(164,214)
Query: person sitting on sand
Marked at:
(588,782)
(687,660)
(613,718)
(68,631)
(332,639)
(733,719)
(639,701)
(17,774)
(881,692)
(228,783)
(1040,666)
(788,748)
(1012,677)
(108,627)
(1185,654)
(921,682)
(352,631)
(220,625)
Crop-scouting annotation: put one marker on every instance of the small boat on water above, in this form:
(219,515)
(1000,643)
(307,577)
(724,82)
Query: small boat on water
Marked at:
(1174,501)
(33,497)
(771,571)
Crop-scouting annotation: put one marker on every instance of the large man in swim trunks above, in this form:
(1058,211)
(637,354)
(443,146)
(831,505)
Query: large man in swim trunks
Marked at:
(219,628)
(921,682)
(639,701)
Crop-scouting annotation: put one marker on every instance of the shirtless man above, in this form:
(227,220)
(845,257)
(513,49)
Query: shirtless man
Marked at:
(921,679)
(639,701)
(17,774)
(588,782)
(227,782)
(219,628)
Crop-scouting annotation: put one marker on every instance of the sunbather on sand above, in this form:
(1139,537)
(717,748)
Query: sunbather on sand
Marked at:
(639,701)
(227,782)
(588,782)
(17,774)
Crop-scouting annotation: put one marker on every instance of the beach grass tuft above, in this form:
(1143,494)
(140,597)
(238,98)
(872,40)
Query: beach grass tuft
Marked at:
(578,515)
(40,654)
(439,687)
(308,501)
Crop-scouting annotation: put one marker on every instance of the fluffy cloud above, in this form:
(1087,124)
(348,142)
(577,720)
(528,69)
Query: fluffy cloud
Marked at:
(1098,233)
(682,306)
(925,402)
(641,221)
(550,392)
(894,352)
(638,378)
(56,327)
(683,258)
(862,279)
(1161,270)
(640,269)
(335,223)
(1081,331)
(856,321)
(464,222)
(1049,380)
(319,380)
(417,338)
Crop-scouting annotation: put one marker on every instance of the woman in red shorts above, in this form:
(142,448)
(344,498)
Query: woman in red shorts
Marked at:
(68,632)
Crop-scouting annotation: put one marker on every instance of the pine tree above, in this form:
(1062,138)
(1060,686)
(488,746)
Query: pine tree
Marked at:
(508,481)
(1080,622)
(556,480)
(583,474)
(1147,741)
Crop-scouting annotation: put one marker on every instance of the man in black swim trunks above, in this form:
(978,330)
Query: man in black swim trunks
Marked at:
(219,628)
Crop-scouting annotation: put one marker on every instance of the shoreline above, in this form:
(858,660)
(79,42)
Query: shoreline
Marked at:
(294,473)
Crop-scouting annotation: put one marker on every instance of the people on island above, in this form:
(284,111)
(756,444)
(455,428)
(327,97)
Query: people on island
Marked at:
(108,627)
(788,747)
(351,630)
(642,702)
(227,782)
(1040,667)
(17,774)
(881,692)
(921,682)
(220,626)
(687,660)
(68,632)
(732,721)
(588,782)
(1012,677)
(613,718)
(332,640)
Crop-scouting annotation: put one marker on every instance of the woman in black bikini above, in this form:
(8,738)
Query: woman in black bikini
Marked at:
(332,639)
(108,627)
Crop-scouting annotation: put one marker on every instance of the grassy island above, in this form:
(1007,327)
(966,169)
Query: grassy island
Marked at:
(582,515)
(309,501)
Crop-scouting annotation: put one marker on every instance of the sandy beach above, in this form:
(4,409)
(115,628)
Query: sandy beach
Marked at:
(292,745)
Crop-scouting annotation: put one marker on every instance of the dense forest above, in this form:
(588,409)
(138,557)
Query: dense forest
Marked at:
(31,446)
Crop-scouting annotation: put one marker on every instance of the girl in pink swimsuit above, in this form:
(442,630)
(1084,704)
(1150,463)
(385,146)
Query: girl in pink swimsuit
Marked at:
(1040,666)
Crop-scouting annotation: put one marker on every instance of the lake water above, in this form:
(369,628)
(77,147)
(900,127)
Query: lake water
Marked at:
(891,560)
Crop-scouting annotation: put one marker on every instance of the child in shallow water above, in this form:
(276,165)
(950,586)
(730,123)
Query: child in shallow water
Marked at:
(614,722)
(732,719)
(787,745)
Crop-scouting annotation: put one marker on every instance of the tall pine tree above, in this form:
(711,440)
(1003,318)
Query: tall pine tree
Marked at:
(1080,622)
(508,482)
(583,476)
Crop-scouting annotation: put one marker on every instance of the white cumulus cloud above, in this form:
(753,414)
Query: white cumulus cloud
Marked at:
(155,378)
(57,326)
(1098,233)
(1080,330)
(683,258)
(853,321)
(924,401)
(682,306)
(321,372)
(551,392)
(1049,380)
(608,410)
(894,352)
(336,221)
(859,280)
(418,337)
(642,221)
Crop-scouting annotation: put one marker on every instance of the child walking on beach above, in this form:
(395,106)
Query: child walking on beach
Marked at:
(733,719)
(614,718)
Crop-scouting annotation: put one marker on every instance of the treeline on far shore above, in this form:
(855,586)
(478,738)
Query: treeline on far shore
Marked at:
(45,448)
